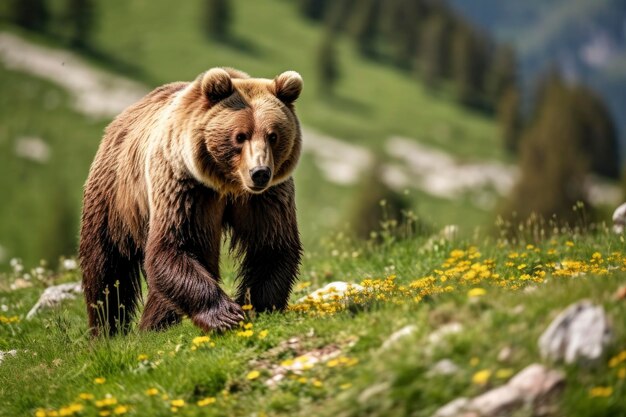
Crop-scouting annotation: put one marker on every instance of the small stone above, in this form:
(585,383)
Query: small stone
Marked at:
(579,334)
(453,408)
(21,283)
(444,331)
(619,219)
(53,296)
(620,294)
(498,401)
(443,367)
(505,354)
(332,291)
(536,383)
(4,354)
(398,335)
(373,391)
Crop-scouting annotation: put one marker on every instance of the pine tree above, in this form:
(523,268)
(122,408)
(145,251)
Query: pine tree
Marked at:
(80,15)
(217,18)
(401,22)
(599,134)
(434,48)
(327,65)
(502,72)
(553,165)
(508,111)
(364,26)
(469,57)
(30,14)
(313,9)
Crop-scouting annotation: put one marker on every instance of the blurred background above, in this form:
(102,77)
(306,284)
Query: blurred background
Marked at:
(462,113)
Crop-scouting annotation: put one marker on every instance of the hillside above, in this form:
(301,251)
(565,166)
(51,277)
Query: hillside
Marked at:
(469,315)
(138,40)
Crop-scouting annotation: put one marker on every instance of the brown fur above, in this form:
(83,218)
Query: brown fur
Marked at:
(171,174)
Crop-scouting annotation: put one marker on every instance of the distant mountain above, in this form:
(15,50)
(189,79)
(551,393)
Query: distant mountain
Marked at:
(586,38)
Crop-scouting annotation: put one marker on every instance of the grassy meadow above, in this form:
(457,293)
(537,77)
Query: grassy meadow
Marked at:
(502,294)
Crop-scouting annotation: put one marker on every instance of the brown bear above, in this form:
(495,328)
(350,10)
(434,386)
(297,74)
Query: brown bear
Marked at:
(190,161)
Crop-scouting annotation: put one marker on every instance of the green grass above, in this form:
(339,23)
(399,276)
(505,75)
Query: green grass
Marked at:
(57,361)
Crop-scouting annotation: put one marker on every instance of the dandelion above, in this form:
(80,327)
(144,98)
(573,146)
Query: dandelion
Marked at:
(600,392)
(40,413)
(151,392)
(247,326)
(476,292)
(206,401)
(345,386)
(303,380)
(120,409)
(504,373)
(262,334)
(177,403)
(104,413)
(569,243)
(106,402)
(474,361)
(85,396)
(317,383)
(245,333)
(332,363)
(621,373)
(142,357)
(252,375)
(481,377)
(100,380)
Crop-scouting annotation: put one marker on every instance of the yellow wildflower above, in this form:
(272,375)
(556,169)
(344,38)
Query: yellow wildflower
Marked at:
(602,392)
(621,373)
(345,386)
(317,383)
(151,392)
(247,326)
(177,403)
(569,243)
(100,380)
(206,401)
(104,413)
(245,333)
(246,307)
(504,373)
(106,402)
(263,334)
(253,375)
(142,357)
(120,409)
(85,396)
(481,377)
(40,412)
(476,292)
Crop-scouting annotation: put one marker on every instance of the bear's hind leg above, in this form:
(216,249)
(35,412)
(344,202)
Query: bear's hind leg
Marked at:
(111,280)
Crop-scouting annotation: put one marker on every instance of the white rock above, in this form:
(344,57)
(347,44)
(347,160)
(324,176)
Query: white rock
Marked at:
(498,401)
(334,290)
(398,335)
(443,367)
(6,353)
(453,408)
(619,219)
(536,382)
(580,333)
(32,148)
(444,331)
(53,296)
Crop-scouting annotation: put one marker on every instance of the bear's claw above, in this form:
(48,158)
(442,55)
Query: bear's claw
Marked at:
(221,317)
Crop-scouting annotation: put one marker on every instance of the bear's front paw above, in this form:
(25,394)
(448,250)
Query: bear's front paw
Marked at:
(223,316)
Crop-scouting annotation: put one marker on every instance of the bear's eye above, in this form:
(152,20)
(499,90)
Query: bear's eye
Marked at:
(272,137)
(241,137)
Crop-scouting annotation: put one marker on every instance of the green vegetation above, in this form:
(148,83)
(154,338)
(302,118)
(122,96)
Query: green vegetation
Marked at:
(497,291)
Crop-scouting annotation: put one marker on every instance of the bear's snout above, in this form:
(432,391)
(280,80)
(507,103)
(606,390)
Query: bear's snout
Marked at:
(261,176)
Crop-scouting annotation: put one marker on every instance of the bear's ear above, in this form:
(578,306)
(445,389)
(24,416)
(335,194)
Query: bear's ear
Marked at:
(287,86)
(216,85)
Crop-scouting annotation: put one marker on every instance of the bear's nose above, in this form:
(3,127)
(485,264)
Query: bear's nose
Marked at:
(261,175)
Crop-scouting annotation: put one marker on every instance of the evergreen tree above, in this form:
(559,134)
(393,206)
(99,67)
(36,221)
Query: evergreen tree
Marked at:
(599,134)
(364,27)
(553,165)
(80,15)
(434,48)
(469,57)
(401,22)
(508,111)
(217,18)
(313,9)
(502,72)
(327,65)
(30,14)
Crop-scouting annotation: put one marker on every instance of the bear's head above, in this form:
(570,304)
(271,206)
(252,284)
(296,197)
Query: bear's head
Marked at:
(243,133)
